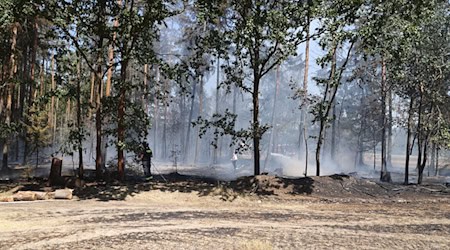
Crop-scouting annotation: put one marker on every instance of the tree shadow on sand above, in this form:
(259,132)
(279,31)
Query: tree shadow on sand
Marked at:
(113,190)
(227,190)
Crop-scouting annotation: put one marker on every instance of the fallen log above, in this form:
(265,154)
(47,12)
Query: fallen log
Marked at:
(25,196)
(41,195)
(63,194)
(7,199)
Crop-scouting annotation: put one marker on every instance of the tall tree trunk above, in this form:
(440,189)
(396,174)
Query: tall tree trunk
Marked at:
(33,62)
(182,123)
(10,92)
(419,139)
(68,111)
(374,156)
(324,116)
(234,107)
(217,104)
(408,139)
(303,129)
(51,117)
(389,132)
(191,113)
(23,86)
(156,112)
(272,120)
(437,162)
(92,94)
(424,141)
(305,138)
(121,121)
(319,145)
(333,133)
(424,161)
(256,125)
(166,120)
(359,158)
(99,161)
(37,156)
(383,120)
(92,105)
(111,56)
(55,120)
(145,89)
(41,78)
(432,165)
(79,124)
(200,111)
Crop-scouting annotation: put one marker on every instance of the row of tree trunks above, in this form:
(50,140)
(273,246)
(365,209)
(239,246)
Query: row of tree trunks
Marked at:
(32,90)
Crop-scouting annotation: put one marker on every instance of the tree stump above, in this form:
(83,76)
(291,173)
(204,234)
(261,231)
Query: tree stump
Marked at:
(55,172)
(386,177)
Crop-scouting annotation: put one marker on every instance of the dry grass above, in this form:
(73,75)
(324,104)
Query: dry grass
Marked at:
(256,245)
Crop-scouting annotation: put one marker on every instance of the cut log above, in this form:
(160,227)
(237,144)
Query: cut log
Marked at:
(7,199)
(63,194)
(41,195)
(25,196)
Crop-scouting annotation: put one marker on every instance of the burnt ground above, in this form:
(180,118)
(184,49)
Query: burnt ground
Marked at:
(182,212)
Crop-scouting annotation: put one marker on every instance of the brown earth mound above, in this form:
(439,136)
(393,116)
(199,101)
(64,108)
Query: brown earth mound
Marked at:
(334,186)
(328,188)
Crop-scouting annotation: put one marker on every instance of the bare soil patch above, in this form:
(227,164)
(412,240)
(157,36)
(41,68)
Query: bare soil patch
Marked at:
(264,212)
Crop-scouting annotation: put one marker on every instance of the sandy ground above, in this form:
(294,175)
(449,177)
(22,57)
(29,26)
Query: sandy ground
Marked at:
(164,218)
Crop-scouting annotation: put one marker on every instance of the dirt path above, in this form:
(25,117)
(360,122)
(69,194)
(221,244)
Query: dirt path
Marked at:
(175,220)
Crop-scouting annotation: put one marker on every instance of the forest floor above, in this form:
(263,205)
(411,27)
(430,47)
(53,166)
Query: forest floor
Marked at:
(263,212)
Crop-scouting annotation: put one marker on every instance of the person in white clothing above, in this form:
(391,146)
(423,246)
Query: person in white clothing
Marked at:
(234,159)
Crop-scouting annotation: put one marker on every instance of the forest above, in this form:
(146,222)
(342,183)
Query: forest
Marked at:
(351,83)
